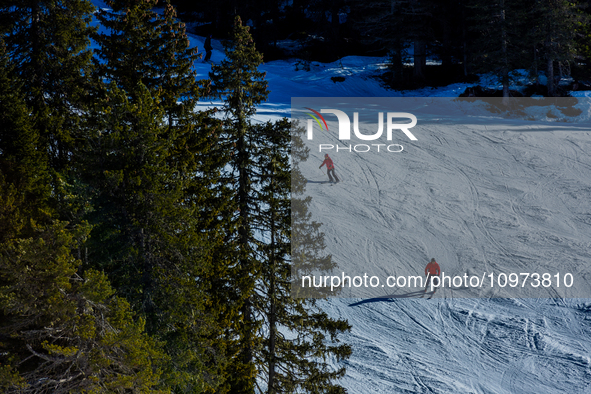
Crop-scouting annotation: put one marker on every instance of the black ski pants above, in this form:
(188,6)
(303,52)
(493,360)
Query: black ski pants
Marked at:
(332,174)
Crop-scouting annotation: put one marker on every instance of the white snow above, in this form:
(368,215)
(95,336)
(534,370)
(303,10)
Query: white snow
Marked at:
(478,193)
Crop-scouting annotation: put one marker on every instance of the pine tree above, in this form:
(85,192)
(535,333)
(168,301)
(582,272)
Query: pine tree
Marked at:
(396,26)
(556,26)
(142,46)
(242,86)
(583,67)
(48,41)
(307,241)
(66,332)
(153,171)
(22,160)
(501,40)
(298,335)
(61,329)
(63,332)
(258,228)
(146,233)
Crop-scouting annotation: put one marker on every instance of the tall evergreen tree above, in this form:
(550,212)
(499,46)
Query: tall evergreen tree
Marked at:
(556,26)
(49,43)
(397,26)
(142,46)
(153,171)
(501,39)
(61,329)
(146,233)
(298,336)
(242,86)
(307,241)
(258,228)
(23,161)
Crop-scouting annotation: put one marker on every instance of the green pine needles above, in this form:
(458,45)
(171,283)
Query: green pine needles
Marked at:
(266,360)
(144,245)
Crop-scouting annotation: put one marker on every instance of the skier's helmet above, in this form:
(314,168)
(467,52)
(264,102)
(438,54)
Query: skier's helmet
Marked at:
(326,156)
(432,260)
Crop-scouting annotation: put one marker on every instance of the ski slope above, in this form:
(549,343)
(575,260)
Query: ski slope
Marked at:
(478,193)
(499,194)
(505,194)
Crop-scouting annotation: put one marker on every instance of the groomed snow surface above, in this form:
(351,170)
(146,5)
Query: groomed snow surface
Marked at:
(473,196)
(482,194)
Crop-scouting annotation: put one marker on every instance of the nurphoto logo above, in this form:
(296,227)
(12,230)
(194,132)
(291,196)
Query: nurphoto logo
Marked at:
(344,129)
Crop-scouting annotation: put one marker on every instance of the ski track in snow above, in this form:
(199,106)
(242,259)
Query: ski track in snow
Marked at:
(476,197)
(507,198)
(468,346)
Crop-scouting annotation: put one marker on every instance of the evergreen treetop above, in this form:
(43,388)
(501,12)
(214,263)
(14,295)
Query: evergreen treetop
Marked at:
(237,78)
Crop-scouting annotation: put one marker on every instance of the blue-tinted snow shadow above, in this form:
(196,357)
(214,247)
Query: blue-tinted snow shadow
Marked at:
(389,298)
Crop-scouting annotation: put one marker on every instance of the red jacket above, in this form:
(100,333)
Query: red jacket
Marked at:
(432,269)
(328,162)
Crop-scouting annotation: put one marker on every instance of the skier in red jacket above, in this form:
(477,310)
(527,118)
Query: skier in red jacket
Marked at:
(329,168)
(432,269)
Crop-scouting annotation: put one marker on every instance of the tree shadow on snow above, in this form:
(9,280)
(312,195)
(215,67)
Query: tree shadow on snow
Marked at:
(389,298)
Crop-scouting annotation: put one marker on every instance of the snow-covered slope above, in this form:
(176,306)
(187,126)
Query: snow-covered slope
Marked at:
(481,194)
(494,195)
(467,345)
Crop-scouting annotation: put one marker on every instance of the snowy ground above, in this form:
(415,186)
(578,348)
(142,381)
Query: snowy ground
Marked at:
(496,194)
(505,195)
(478,193)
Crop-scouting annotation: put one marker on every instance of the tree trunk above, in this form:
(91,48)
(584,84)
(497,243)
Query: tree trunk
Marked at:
(335,7)
(536,77)
(550,79)
(446,55)
(37,80)
(335,22)
(464,42)
(505,72)
(397,62)
(420,59)
(246,268)
(147,305)
(272,312)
